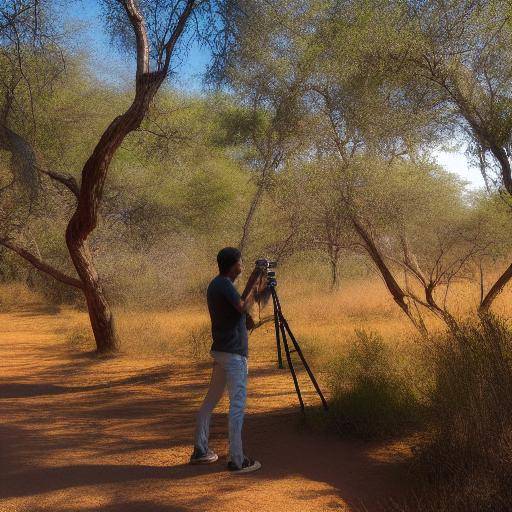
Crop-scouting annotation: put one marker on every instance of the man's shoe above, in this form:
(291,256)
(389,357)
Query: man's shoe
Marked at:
(199,457)
(248,466)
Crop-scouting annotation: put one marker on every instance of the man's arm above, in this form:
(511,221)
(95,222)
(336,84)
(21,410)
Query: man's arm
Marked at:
(243,303)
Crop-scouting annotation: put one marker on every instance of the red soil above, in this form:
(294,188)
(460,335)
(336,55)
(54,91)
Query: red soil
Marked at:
(88,434)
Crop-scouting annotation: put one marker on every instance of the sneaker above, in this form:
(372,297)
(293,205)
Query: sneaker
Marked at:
(247,466)
(198,457)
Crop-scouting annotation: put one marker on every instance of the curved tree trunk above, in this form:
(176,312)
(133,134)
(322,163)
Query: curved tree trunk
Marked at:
(94,173)
(100,314)
(441,313)
(85,218)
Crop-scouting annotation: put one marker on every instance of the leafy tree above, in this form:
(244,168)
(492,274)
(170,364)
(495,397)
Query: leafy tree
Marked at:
(155,44)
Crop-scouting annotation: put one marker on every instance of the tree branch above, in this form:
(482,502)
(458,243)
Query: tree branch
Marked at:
(139,27)
(495,290)
(182,20)
(41,265)
(66,179)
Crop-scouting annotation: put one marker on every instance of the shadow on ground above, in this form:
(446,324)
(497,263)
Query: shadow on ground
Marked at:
(75,423)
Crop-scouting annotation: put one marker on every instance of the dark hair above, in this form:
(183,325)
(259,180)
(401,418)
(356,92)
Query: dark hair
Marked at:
(227,257)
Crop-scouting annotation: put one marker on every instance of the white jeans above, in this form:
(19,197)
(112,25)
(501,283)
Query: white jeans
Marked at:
(231,370)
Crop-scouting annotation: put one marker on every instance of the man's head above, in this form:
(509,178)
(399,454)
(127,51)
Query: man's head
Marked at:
(229,260)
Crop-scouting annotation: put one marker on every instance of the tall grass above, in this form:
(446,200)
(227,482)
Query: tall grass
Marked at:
(467,457)
(17,295)
(371,392)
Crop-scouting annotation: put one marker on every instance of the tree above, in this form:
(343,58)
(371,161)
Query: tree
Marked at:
(151,71)
(463,50)
(267,120)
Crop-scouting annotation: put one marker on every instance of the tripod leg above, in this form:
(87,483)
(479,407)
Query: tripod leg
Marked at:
(278,335)
(292,369)
(304,362)
(287,351)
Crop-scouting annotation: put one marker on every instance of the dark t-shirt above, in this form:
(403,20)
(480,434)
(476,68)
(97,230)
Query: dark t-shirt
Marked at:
(229,332)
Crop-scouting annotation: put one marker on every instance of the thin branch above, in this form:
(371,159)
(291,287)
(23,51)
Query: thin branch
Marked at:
(66,179)
(182,20)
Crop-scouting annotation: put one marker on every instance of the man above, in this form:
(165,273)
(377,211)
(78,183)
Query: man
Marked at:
(229,351)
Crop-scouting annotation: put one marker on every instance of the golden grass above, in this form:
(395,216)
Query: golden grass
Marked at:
(323,321)
(161,332)
(15,295)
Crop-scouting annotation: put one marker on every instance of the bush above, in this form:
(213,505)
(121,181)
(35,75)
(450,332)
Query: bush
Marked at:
(370,394)
(468,455)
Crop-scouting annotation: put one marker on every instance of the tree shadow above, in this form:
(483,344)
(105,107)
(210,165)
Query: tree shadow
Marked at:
(128,419)
(46,479)
(26,390)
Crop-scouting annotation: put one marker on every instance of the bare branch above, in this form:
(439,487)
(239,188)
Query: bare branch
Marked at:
(178,30)
(66,179)
(41,265)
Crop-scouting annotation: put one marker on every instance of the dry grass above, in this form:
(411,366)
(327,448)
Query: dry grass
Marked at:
(17,295)
(323,322)
(175,332)
(368,380)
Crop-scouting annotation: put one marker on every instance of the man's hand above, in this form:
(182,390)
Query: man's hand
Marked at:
(247,298)
(245,304)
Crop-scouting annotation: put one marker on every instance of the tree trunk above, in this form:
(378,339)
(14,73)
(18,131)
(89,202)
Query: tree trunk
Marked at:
(441,313)
(506,175)
(84,220)
(242,246)
(495,290)
(100,314)
(333,260)
(399,296)
(94,173)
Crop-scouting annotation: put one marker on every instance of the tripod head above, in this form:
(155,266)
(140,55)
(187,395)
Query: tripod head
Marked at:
(264,266)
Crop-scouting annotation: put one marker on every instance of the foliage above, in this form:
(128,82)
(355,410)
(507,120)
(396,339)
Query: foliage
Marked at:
(371,395)
(466,459)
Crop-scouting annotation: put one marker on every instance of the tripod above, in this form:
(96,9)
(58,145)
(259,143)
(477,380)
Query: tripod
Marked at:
(282,330)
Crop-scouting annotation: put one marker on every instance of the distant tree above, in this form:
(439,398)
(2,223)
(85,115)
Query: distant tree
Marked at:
(268,119)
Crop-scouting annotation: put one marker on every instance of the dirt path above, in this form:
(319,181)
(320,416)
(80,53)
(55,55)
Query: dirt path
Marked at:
(78,433)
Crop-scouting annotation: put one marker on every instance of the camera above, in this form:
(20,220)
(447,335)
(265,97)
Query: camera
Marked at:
(265,265)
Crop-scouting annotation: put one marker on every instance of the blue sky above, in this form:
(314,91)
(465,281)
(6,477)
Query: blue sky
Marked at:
(113,66)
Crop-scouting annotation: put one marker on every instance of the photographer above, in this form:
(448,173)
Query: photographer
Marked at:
(228,311)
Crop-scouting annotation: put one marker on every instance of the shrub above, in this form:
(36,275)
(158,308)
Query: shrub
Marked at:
(370,393)
(468,454)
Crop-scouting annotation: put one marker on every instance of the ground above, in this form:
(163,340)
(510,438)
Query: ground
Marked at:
(88,434)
